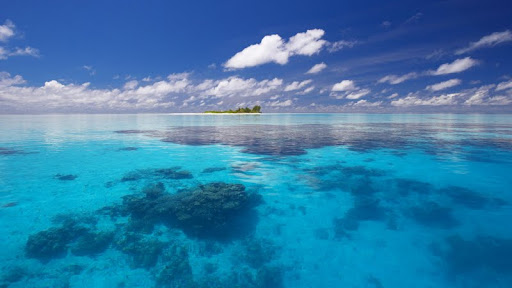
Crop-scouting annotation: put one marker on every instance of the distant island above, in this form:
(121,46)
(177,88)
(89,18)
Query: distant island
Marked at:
(256,109)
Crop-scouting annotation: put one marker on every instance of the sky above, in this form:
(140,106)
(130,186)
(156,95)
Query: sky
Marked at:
(286,56)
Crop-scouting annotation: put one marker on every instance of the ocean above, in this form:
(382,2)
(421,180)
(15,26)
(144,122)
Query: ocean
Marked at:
(270,200)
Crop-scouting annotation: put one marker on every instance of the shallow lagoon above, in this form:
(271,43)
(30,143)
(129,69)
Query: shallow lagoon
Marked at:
(272,200)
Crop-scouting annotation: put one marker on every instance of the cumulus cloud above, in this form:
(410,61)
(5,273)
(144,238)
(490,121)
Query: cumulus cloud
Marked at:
(130,85)
(317,68)
(7,80)
(396,79)
(273,48)
(444,85)
(487,41)
(56,96)
(7,31)
(296,85)
(348,89)
(504,85)
(456,66)
(235,86)
(345,85)
(480,96)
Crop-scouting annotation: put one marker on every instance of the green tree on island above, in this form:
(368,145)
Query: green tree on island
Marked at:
(256,109)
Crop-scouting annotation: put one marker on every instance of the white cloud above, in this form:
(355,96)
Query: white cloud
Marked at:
(412,100)
(396,79)
(481,96)
(487,41)
(364,103)
(280,103)
(7,80)
(27,51)
(130,85)
(347,89)
(357,94)
(504,85)
(345,85)
(456,66)
(296,85)
(7,31)
(235,86)
(444,85)
(339,45)
(307,90)
(90,69)
(273,48)
(394,95)
(317,68)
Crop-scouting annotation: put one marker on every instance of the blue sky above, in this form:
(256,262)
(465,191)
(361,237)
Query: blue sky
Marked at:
(289,56)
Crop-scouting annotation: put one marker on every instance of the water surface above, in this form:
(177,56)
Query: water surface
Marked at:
(271,200)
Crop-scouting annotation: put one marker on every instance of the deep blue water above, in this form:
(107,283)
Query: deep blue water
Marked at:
(272,200)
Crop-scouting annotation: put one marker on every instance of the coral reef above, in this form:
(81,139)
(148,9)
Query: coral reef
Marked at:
(65,177)
(172,173)
(211,210)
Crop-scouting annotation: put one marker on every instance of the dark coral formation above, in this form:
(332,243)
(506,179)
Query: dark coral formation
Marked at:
(433,215)
(258,252)
(405,187)
(9,151)
(211,210)
(51,243)
(128,149)
(92,243)
(65,177)
(469,198)
(80,236)
(214,169)
(177,272)
(479,259)
(172,173)
(366,208)
(144,253)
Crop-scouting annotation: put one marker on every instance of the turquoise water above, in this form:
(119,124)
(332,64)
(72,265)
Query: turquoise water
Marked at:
(272,200)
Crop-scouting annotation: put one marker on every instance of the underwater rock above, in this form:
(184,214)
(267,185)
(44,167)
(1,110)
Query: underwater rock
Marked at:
(258,252)
(469,198)
(211,210)
(433,215)
(144,252)
(13,275)
(128,149)
(173,173)
(362,171)
(177,272)
(10,204)
(91,243)
(66,177)
(211,207)
(214,169)
(407,186)
(52,243)
(321,234)
(8,151)
(481,255)
(270,276)
(365,208)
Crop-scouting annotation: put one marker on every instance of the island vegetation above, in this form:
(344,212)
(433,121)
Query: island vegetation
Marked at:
(256,109)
